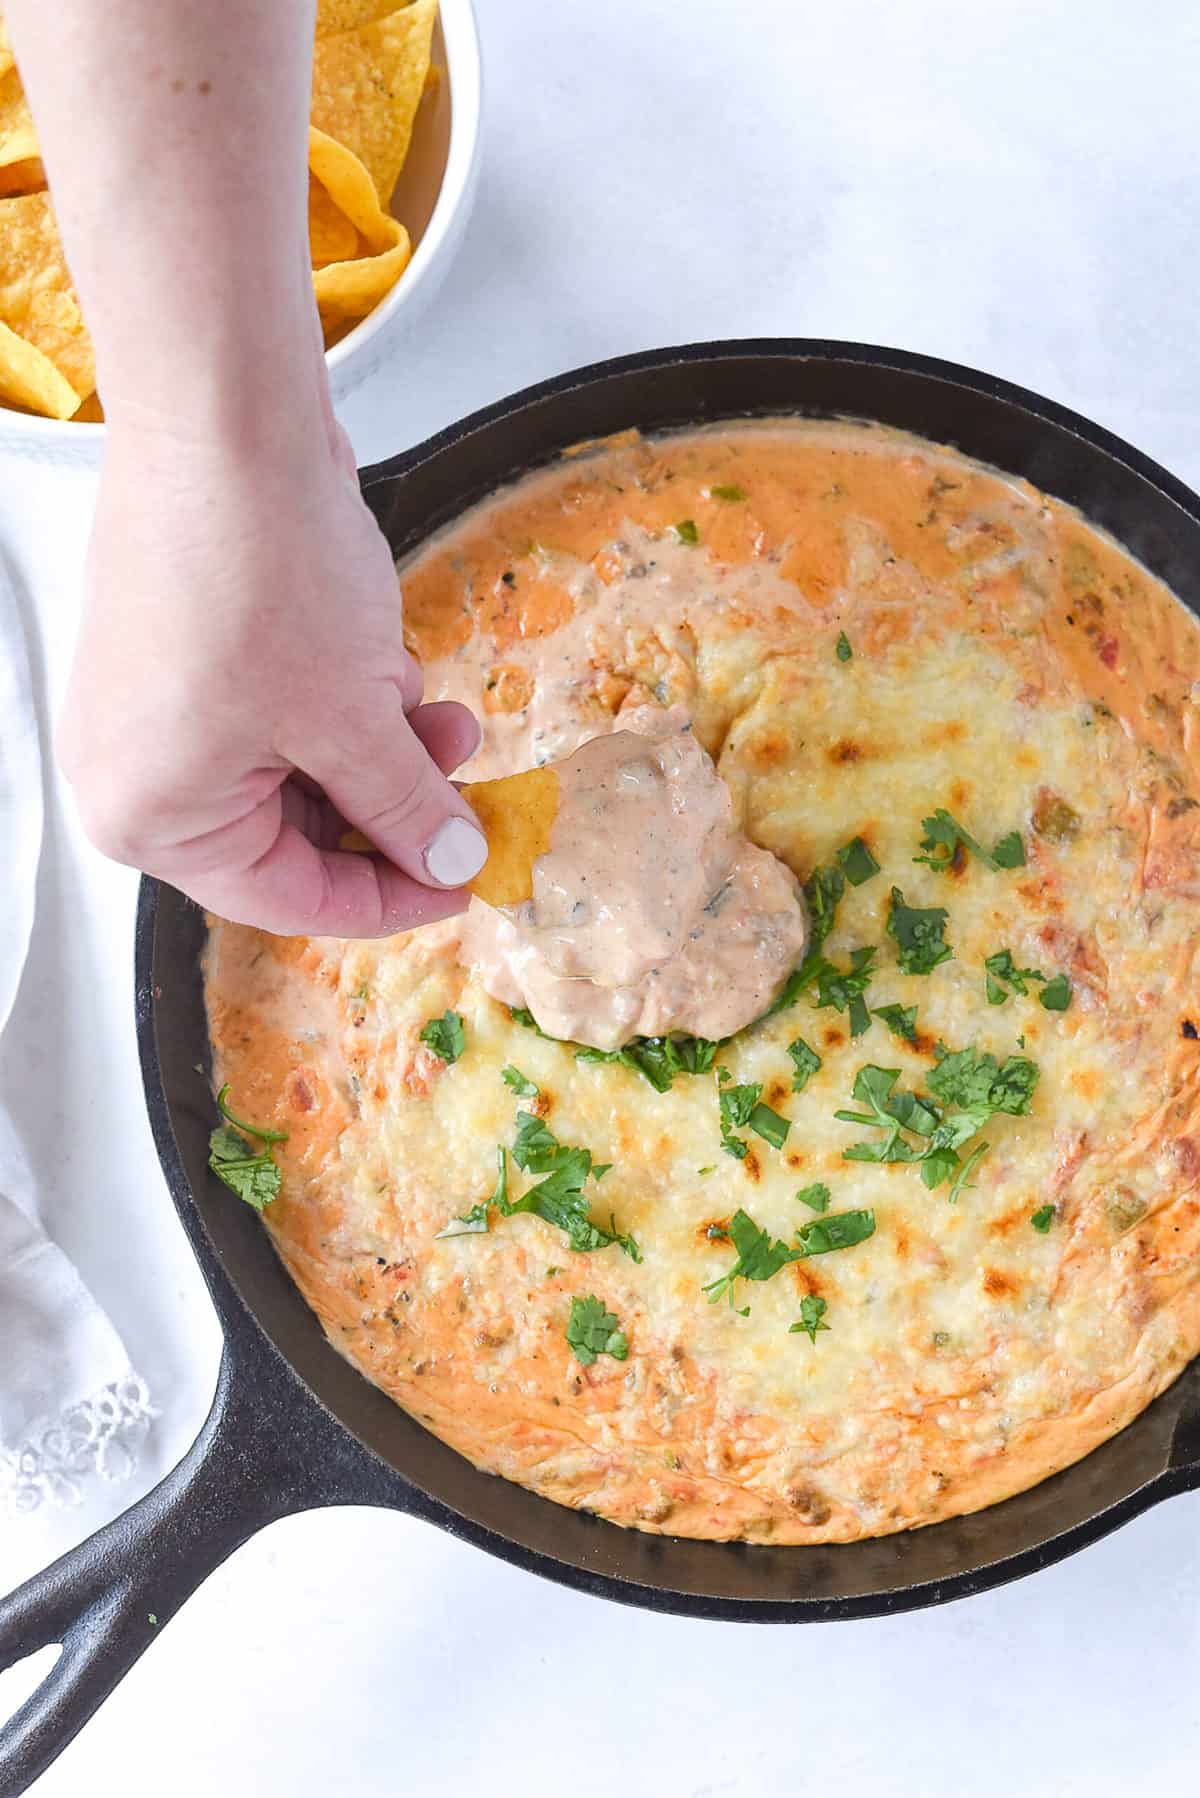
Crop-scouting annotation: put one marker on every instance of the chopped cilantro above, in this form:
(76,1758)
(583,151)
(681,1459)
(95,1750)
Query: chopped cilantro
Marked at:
(812,1313)
(918,933)
(758,1258)
(1056,994)
(968,1078)
(816,1197)
(518,1082)
(840,1230)
(971,1086)
(901,1020)
(769,1125)
(737,1105)
(943,834)
(873,1087)
(536,1148)
(445,1036)
(962,1180)
(592,1331)
(520,1014)
(254,1177)
(659,1058)
(558,1199)
(840,987)
(685,531)
(728,492)
(844,651)
(1003,972)
(1009,851)
(806,1063)
(1042,1219)
(823,891)
(856,862)
(475,1221)
(258,1130)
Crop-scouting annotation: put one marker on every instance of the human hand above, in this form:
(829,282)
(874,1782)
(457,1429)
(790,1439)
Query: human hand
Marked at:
(241,693)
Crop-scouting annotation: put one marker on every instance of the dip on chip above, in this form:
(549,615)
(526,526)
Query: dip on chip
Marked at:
(370,69)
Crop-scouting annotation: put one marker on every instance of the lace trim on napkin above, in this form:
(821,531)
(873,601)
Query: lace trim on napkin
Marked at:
(99,1437)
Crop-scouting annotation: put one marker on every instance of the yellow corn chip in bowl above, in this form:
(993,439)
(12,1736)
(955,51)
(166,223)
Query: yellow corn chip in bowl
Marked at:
(21,170)
(372,71)
(367,85)
(31,382)
(39,308)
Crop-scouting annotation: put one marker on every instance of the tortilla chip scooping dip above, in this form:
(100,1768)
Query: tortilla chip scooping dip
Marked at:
(517,815)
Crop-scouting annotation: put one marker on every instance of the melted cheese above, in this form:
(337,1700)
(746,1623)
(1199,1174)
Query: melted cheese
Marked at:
(967,1354)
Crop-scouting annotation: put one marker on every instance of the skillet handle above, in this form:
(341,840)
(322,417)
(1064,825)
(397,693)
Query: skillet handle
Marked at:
(266,1449)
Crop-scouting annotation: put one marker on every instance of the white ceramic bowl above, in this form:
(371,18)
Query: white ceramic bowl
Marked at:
(433,200)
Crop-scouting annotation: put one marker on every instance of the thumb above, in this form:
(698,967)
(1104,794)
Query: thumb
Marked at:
(385,782)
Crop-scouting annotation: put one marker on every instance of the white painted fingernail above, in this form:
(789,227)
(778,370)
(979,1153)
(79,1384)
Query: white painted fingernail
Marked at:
(456,854)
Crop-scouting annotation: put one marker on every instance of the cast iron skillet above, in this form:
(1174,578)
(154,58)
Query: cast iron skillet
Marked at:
(292,1425)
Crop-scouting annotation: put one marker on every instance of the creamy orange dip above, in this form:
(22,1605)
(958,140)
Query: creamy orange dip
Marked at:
(650,913)
(913,676)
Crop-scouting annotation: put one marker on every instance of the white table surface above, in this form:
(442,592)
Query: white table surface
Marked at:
(1014,188)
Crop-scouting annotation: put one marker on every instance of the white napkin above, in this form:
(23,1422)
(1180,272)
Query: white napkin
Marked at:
(71,1407)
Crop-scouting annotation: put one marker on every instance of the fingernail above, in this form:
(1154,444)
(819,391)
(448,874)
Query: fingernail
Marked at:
(456,854)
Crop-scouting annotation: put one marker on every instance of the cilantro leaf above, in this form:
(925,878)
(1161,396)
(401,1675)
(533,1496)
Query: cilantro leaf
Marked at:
(246,1129)
(838,987)
(728,492)
(518,1082)
(844,651)
(536,1148)
(592,1331)
(943,834)
(521,1014)
(685,531)
(1042,1219)
(475,1222)
(1002,969)
(856,862)
(823,891)
(1009,852)
(812,1313)
(253,1177)
(806,1063)
(445,1036)
(659,1058)
(759,1258)
(840,1230)
(918,933)
(873,1088)
(968,1078)
(1056,994)
(816,1197)
(901,1020)
(962,1179)
(559,1198)
(769,1125)
(737,1105)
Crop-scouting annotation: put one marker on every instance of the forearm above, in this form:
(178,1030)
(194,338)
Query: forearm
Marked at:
(174,136)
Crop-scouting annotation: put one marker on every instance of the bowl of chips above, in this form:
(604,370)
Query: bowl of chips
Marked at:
(392,159)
